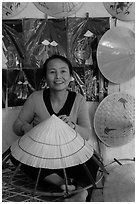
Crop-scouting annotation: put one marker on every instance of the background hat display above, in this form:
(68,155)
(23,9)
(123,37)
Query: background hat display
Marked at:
(10,9)
(119,185)
(58,9)
(116,54)
(114,119)
(124,11)
(52,144)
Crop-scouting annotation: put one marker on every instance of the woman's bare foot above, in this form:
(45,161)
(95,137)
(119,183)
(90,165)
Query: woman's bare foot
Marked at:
(79,197)
(59,182)
(69,187)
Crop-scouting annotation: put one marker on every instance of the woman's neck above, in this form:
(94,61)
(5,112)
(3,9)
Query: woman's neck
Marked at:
(58,99)
(58,96)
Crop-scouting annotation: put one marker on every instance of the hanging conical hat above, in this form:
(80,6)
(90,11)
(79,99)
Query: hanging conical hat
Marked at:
(58,9)
(119,184)
(124,11)
(114,119)
(52,144)
(115,54)
(11,9)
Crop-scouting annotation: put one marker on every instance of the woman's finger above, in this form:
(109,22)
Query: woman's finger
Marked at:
(62,116)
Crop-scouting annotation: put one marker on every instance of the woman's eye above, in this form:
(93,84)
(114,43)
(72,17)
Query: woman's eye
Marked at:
(63,71)
(52,72)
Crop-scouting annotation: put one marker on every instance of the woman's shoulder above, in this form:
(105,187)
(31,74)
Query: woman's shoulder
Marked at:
(79,96)
(36,94)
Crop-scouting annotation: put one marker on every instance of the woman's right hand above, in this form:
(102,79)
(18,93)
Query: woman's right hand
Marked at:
(26,127)
(68,121)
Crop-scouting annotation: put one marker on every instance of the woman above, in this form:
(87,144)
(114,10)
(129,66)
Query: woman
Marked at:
(40,105)
(57,99)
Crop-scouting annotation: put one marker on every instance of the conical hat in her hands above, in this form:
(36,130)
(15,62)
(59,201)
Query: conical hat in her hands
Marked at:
(114,119)
(52,144)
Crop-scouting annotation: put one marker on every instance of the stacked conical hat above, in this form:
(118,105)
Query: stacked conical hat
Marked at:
(114,119)
(52,144)
(119,185)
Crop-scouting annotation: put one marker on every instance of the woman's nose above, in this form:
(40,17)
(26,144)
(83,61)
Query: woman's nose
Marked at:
(57,75)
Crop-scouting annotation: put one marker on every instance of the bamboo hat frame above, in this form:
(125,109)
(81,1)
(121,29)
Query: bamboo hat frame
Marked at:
(55,145)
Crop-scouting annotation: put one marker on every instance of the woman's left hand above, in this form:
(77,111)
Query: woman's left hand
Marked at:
(67,120)
(83,131)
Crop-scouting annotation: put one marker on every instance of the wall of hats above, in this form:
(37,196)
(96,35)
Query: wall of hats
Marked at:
(99,40)
(99,53)
(27,43)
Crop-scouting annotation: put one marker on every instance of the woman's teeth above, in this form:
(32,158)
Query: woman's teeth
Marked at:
(58,82)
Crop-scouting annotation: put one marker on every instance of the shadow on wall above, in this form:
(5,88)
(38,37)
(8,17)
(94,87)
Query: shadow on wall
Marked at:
(92,106)
(8,136)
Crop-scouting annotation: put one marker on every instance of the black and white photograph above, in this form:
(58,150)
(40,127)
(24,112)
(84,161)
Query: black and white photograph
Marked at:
(68,101)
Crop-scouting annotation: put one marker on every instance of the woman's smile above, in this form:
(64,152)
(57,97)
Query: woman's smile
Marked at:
(58,75)
(58,82)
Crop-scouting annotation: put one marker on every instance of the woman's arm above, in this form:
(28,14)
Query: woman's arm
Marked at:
(83,125)
(23,122)
(83,131)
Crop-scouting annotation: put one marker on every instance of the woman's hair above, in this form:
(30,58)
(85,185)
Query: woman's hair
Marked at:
(64,59)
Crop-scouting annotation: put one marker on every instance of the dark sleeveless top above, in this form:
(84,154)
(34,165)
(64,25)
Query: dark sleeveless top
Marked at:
(66,109)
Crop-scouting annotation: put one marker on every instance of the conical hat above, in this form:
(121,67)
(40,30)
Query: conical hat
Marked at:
(52,144)
(116,54)
(114,119)
(11,9)
(58,9)
(124,11)
(119,185)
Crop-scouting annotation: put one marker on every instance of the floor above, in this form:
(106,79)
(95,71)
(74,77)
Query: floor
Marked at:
(21,188)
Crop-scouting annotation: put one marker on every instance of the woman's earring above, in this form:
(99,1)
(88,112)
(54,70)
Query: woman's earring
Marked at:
(72,78)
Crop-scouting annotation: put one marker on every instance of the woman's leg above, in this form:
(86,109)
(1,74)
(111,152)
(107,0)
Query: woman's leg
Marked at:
(32,172)
(54,177)
(80,175)
(79,172)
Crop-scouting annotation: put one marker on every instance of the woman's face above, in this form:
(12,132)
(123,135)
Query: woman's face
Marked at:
(58,75)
